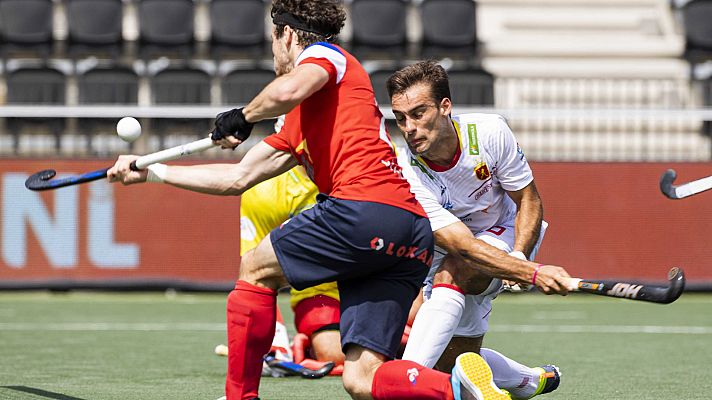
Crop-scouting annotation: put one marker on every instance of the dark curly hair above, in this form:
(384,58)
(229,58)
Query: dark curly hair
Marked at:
(429,72)
(324,16)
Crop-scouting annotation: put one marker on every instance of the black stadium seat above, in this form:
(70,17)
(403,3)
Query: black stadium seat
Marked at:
(449,28)
(181,86)
(707,97)
(239,86)
(95,27)
(378,81)
(36,85)
(237,27)
(471,86)
(379,28)
(697,16)
(26,27)
(108,85)
(105,85)
(166,28)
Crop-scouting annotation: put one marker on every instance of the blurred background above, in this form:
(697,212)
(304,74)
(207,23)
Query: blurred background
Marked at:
(602,95)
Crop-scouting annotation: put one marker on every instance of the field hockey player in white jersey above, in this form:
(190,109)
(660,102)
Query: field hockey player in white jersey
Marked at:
(472,179)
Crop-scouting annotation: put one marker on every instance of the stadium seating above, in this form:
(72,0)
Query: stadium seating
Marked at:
(513,55)
(237,28)
(472,87)
(105,85)
(95,27)
(36,84)
(239,86)
(166,28)
(379,78)
(26,28)
(449,29)
(697,16)
(379,28)
(180,85)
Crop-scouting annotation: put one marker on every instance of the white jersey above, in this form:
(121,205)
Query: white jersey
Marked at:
(472,189)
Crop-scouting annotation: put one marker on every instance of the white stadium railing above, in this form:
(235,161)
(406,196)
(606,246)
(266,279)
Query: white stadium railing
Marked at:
(546,134)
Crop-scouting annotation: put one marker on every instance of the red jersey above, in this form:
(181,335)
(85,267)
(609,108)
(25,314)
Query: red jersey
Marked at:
(338,134)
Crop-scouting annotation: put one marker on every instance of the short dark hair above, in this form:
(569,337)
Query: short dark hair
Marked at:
(428,72)
(325,19)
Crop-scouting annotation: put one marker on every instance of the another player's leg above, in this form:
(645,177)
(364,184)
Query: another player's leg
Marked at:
(519,380)
(316,318)
(251,316)
(471,379)
(440,315)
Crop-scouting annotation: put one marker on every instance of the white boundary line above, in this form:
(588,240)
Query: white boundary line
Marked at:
(220,327)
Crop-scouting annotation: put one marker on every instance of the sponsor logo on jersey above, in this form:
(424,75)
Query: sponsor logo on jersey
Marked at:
(482,172)
(472,134)
(482,191)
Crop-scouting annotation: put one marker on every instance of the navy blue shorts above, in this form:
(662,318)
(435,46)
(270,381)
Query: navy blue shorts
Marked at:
(378,254)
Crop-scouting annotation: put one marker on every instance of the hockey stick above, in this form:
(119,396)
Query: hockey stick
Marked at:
(295,369)
(43,180)
(684,190)
(636,291)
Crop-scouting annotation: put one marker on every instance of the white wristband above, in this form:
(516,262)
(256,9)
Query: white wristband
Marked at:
(518,254)
(156,173)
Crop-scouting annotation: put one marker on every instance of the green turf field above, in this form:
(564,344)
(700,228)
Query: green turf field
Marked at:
(155,346)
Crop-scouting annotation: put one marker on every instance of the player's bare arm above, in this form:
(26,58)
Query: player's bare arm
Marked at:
(458,240)
(260,163)
(286,92)
(530,212)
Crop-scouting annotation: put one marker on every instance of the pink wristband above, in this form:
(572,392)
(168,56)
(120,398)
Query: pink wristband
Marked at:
(536,270)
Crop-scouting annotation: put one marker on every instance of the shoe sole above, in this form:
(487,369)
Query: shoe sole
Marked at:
(473,372)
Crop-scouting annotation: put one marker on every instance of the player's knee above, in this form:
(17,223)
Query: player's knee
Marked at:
(254,270)
(356,383)
(327,346)
(359,369)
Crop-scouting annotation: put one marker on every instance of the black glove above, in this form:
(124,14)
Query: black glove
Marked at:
(231,123)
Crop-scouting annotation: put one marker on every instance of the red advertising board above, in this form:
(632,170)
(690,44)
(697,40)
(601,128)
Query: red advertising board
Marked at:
(611,220)
(607,220)
(98,232)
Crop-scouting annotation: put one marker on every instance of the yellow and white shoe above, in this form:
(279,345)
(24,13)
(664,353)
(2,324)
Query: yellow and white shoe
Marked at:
(471,379)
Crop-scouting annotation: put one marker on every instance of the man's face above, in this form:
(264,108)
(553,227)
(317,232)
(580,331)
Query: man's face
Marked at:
(280,52)
(421,120)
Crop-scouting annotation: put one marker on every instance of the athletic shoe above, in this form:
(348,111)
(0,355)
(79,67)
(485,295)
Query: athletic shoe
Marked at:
(549,379)
(471,379)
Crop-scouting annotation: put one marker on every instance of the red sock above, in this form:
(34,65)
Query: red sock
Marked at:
(251,317)
(401,380)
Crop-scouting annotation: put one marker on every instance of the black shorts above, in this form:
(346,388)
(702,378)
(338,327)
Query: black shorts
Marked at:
(378,254)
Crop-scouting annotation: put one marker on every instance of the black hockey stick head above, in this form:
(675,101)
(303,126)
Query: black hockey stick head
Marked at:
(666,185)
(38,180)
(662,294)
(43,180)
(676,277)
(295,369)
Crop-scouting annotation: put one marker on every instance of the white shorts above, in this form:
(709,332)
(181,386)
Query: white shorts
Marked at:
(474,320)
